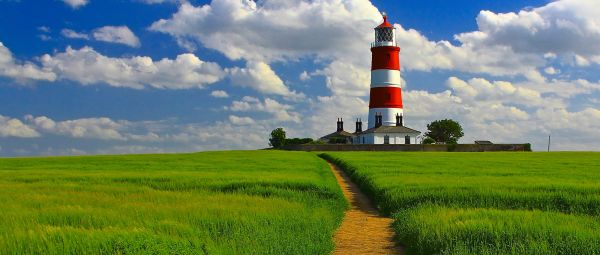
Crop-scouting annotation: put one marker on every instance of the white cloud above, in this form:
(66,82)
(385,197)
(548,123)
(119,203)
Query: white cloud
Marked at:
(9,67)
(44,29)
(87,66)
(344,78)
(482,90)
(219,94)
(304,76)
(236,120)
(260,77)
(69,33)
(221,135)
(275,30)
(508,112)
(333,30)
(117,34)
(551,70)
(10,127)
(560,27)
(75,4)
(97,128)
(279,112)
(101,128)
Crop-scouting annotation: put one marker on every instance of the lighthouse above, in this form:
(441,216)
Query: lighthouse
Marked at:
(386,112)
(385,102)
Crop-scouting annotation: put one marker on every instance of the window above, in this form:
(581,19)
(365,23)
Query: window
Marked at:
(385,35)
(407,140)
(386,139)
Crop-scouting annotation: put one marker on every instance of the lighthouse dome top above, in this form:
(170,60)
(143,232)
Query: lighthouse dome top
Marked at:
(385,23)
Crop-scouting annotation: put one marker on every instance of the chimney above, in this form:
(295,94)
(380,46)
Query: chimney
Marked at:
(378,120)
(358,126)
(340,126)
(399,120)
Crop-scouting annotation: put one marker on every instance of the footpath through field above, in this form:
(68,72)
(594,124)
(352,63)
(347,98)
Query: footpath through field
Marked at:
(363,230)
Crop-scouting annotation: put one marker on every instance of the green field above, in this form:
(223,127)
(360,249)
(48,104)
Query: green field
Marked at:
(253,202)
(485,203)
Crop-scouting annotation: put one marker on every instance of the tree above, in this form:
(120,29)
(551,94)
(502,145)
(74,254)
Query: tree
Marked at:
(428,140)
(277,138)
(447,131)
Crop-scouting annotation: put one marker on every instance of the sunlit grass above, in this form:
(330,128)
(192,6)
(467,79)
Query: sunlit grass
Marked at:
(254,202)
(492,192)
(439,230)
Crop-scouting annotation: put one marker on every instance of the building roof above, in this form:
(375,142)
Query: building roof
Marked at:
(483,142)
(337,134)
(385,22)
(390,129)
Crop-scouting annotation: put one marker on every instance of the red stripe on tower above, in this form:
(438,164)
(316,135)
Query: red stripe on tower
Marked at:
(386,97)
(385,57)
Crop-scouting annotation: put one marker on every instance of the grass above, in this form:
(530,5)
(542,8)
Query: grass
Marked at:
(252,202)
(485,203)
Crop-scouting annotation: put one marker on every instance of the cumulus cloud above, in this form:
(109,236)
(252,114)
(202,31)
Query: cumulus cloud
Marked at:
(117,34)
(334,30)
(478,89)
(274,30)
(97,128)
(87,66)
(219,94)
(260,77)
(100,128)
(10,67)
(236,120)
(506,112)
(69,33)
(304,76)
(559,27)
(279,111)
(10,127)
(344,78)
(76,4)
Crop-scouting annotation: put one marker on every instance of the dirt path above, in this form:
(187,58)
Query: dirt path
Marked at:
(363,230)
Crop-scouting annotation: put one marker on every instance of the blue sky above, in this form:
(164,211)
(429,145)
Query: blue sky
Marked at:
(138,76)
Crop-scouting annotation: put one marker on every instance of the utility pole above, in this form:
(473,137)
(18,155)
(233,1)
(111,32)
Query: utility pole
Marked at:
(548,143)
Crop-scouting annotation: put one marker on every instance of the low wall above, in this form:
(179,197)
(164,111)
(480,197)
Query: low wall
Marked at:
(407,147)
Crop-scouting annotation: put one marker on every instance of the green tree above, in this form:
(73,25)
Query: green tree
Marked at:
(447,131)
(277,138)
(428,140)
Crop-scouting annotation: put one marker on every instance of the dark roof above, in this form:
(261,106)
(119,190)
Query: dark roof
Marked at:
(483,142)
(390,129)
(337,134)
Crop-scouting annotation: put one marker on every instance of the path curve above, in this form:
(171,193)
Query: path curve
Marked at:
(363,230)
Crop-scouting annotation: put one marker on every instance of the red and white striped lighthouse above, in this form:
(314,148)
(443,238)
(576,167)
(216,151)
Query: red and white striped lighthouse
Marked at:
(385,103)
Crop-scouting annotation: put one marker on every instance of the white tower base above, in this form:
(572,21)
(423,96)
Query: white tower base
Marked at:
(389,116)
